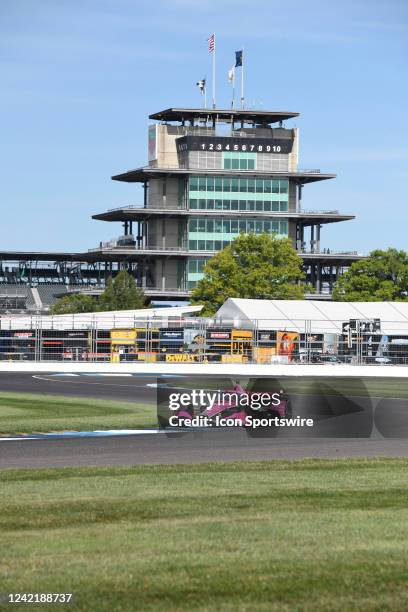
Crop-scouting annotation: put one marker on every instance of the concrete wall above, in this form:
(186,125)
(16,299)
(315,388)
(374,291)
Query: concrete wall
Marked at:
(163,193)
(165,232)
(292,196)
(294,155)
(166,147)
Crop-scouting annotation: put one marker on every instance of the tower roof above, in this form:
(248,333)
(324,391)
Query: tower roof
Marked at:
(222,115)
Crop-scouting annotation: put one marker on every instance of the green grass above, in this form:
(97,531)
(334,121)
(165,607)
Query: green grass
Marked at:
(26,413)
(309,535)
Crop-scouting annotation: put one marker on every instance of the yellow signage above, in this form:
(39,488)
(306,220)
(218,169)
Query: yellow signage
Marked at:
(181,358)
(123,336)
(231,358)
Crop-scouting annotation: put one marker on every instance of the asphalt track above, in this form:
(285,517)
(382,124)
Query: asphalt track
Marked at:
(202,447)
(126,388)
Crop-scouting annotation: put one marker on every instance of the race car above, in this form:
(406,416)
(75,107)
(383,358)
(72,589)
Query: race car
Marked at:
(236,405)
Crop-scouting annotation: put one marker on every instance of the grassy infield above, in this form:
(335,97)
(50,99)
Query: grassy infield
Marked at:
(309,535)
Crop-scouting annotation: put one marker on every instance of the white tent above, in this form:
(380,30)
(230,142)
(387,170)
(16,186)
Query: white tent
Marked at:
(312,315)
(99,320)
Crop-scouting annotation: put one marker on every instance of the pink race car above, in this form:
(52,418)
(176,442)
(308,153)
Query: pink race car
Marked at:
(236,411)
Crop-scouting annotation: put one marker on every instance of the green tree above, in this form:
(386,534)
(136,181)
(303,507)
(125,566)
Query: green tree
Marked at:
(121,293)
(74,303)
(382,276)
(252,266)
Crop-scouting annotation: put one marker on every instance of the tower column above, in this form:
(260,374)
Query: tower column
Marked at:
(318,228)
(312,241)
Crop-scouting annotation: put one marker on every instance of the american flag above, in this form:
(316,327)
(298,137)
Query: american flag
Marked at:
(211,43)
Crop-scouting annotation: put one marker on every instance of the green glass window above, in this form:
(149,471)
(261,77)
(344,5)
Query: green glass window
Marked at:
(259,186)
(218,184)
(251,185)
(275,186)
(193,183)
(234,184)
(226,185)
(193,204)
(218,204)
(192,225)
(202,183)
(201,225)
(210,183)
(243,187)
(218,225)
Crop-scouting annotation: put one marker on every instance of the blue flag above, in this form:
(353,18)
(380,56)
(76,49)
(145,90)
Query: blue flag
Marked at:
(238,58)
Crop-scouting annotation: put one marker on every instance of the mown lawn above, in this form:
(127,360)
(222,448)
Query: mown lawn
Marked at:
(309,535)
(29,413)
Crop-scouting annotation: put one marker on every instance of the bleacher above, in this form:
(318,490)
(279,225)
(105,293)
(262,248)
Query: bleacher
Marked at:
(48,293)
(20,298)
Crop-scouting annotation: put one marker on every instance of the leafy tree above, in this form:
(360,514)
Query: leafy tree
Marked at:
(252,266)
(382,276)
(74,303)
(121,293)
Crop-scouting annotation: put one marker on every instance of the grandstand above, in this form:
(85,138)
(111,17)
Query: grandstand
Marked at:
(19,298)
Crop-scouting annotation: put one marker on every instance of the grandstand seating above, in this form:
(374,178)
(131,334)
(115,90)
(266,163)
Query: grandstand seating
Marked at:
(20,298)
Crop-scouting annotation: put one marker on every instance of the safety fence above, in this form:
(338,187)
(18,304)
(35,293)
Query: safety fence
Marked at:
(184,340)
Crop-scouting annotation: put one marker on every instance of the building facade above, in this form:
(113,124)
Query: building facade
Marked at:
(211,175)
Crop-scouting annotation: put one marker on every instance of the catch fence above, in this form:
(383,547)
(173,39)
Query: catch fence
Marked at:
(118,339)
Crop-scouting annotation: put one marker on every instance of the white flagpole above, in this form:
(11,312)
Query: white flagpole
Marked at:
(233,87)
(213,73)
(242,80)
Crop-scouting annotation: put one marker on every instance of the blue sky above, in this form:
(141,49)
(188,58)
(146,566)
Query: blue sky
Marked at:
(79,78)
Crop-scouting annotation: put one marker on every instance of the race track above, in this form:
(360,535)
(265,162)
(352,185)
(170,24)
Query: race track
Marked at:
(191,448)
(161,448)
(126,388)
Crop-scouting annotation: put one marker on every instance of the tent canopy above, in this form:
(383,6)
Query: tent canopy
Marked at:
(312,315)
